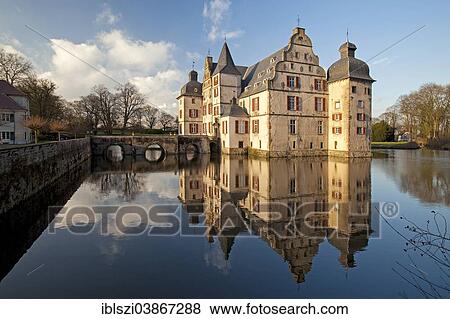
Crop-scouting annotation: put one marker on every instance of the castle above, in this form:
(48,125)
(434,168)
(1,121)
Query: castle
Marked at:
(283,105)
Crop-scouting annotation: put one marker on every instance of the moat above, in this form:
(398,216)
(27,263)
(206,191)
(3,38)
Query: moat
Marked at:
(248,228)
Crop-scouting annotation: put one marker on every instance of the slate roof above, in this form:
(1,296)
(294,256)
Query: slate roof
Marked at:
(193,87)
(7,103)
(225,64)
(234,110)
(8,89)
(348,66)
(258,72)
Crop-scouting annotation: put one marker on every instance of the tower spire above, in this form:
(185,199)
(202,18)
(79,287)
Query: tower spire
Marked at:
(193,64)
(347,35)
(298,20)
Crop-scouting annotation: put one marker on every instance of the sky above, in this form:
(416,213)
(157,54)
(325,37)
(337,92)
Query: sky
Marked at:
(154,43)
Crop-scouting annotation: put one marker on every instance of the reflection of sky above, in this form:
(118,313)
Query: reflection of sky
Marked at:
(144,266)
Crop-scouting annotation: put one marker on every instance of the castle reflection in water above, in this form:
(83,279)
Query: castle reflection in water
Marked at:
(292,204)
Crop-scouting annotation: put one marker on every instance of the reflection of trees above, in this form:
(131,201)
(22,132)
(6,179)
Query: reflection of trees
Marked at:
(127,185)
(429,242)
(428,180)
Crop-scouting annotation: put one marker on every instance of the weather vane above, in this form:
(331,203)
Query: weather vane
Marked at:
(347,34)
(298,20)
(193,64)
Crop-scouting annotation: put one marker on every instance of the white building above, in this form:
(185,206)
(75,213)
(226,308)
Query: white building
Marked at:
(14,109)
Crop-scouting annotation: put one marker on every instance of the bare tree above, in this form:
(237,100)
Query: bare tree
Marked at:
(130,102)
(166,120)
(150,115)
(42,97)
(105,104)
(14,67)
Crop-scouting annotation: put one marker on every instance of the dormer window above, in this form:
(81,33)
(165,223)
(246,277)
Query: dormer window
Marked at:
(273,59)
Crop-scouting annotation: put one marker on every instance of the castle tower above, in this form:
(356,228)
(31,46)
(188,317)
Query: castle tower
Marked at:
(190,106)
(350,105)
(222,82)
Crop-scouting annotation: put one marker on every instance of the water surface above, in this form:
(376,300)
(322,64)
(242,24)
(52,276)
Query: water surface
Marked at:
(321,236)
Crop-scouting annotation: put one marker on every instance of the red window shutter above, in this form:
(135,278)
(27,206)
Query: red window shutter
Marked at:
(287,80)
(315,103)
(257,103)
(333,117)
(253,104)
(364,131)
(297,82)
(237,126)
(334,130)
(297,103)
(246,127)
(237,180)
(324,85)
(323,104)
(287,103)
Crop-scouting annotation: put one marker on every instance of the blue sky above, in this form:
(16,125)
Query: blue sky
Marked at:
(153,43)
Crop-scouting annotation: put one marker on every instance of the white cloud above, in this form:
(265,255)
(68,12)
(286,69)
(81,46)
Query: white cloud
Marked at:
(214,12)
(149,65)
(10,44)
(106,16)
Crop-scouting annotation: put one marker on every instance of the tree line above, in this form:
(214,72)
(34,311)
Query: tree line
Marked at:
(424,114)
(123,108)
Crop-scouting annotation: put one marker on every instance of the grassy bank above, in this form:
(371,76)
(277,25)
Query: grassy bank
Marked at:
(395,145)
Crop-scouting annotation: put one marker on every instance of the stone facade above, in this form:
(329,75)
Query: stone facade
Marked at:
(31,168)
(290,102)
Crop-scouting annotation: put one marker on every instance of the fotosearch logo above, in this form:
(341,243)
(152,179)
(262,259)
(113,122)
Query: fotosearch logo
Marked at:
(291,220)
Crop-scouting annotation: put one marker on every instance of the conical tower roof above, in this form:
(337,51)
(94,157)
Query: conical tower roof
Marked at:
(225,64)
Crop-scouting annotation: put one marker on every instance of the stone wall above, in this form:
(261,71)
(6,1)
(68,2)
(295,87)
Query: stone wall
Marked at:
(25,170)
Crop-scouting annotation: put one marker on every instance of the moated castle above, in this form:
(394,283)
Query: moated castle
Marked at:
(283,105)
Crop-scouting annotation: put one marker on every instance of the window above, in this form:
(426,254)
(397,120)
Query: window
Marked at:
(337,130)
(360,117)
(353,89)
(336,116)
(216,80)
(210,109)
(181,114)
(369,91)
(193,113)
(241,144)
(193,128)
(216,92)
(224,127)
(255,126)
(361,130)
(255,183)
(311,145)
(335,145)
(318,85)
(291,81)
(320,127)
(321,145)
(320,104)
(292,66)
(310,68)
(193,100)
(306,56)
(360,104)
(241,127)
(259,143)
(292,186)
(209,127)
(7,136)
(337,104)
(293,144)
(255,104)
(291,103)
(292,126)
(297,55)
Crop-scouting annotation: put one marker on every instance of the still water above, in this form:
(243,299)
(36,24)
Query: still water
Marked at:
(305,227)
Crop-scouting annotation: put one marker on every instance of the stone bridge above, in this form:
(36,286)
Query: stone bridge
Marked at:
(168,144)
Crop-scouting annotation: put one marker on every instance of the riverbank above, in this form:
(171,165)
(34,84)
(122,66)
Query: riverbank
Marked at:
(395,145)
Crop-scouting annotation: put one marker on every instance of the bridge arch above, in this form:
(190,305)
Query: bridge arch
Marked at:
(114,153)
(155,153)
